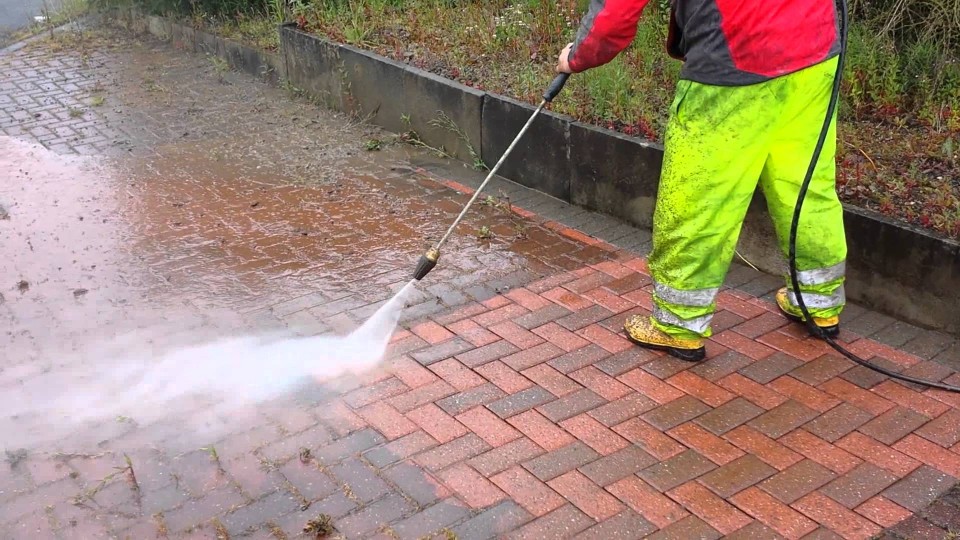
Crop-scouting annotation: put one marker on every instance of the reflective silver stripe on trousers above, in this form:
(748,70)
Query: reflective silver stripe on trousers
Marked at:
(697,298)
(698,325)
(819,276)
(820,301)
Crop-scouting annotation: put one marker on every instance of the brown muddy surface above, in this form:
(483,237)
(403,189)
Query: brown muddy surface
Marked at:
(150,193)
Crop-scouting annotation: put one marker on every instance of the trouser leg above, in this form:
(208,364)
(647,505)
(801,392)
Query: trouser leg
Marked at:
(821,243)
(715,148)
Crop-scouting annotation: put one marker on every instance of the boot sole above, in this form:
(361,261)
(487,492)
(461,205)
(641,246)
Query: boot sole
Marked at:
(830,331)
(687,355)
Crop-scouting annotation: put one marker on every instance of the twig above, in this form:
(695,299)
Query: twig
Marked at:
(864,154)
(742,258)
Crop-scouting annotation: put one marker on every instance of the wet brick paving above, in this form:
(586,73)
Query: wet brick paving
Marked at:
(148,193)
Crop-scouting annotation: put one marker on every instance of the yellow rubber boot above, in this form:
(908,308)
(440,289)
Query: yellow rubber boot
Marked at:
(829,325)
(642,331)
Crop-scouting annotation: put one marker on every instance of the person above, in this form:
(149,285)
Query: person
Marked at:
(754,88)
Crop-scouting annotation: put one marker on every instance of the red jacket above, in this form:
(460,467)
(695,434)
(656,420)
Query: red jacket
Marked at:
(722,42)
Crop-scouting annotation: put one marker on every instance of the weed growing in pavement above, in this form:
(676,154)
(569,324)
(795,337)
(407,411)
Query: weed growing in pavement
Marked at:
(220,529)
(152,86)
(81,498)
(411,137)
(320,526)
(220,66)
(14,457)
(276,531)
(97,101)
(445,122)
(161,525)
(75,112)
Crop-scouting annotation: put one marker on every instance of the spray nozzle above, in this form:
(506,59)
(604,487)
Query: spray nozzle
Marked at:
(426,263)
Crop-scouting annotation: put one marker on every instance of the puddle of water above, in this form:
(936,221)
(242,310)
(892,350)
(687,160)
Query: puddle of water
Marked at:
(232,373)
(85,348)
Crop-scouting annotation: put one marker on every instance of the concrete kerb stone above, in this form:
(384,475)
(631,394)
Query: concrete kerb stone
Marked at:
(903,271)
(208,43)
(614,174)
(430,99)
(254,62)
(375,88)
(260,64)
(541,160)
(392,95)
(313,66)
(159,27)
(892,267)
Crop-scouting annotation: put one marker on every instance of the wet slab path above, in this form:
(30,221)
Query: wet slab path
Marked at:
(150,199)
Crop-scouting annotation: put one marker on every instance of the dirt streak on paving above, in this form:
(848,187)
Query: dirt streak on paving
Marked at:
(149,200)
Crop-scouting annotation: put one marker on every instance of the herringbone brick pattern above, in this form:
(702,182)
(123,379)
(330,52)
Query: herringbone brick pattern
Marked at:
(511,405)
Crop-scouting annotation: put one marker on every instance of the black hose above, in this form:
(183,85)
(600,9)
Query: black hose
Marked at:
(794,280)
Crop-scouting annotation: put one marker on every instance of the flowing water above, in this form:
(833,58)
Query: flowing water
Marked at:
(231,373)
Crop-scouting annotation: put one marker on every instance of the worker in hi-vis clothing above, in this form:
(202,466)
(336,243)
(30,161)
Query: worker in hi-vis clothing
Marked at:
(751,100)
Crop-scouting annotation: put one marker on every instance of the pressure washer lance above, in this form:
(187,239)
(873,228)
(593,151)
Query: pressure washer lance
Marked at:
(429,260)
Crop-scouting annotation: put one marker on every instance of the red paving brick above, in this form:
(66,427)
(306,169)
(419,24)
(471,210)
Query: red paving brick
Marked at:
(387,420)
(438,424)
(504,376)
(529,492)
(881,455)
(707,444)
(930,454)
(541,430)
(838,519)
(600,383)
(719,514)
(469,330)
(774,514)
(561,337)
(585,495)
(883,512)
(529,405)
(650,386)
(488,426)
(475,490)
(834,458)
(594,434)
(757,393)
(649,438)
(551,380)
(768,450)
(456,374)
(431,332)
(700,388)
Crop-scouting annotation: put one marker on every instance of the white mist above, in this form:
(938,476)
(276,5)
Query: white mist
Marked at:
(232,374)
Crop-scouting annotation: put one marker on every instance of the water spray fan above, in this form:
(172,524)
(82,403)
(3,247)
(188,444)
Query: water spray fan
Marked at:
(428,261)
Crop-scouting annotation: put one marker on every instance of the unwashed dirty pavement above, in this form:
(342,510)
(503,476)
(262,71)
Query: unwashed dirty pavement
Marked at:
(149,192)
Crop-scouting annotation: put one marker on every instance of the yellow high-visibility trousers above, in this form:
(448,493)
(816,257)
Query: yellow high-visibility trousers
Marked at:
(720,142)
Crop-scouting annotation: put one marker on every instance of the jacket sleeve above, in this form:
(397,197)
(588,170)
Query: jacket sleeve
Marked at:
(605,31)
